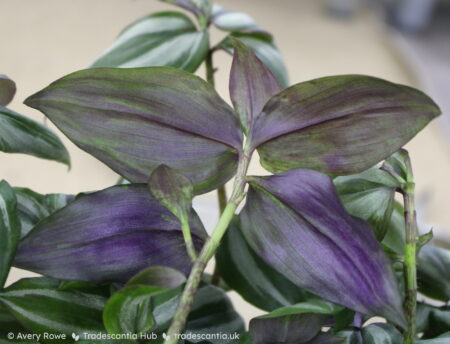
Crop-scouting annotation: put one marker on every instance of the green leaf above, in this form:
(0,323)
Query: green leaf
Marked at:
(201,8)
(432,321)
(264,47)
(292,324)
(373,334)
(442,339)
(135,119)
(161,39)
(369,195)
(9,324)
(228,20)
(257,282)
(339,125)
(41,307)
(424,239)
(395,236)
(7,90)
(129,310)
(397,166)
(9,229)
(19,134)
(158,276)
(173,190)
(433,272)
(34,207)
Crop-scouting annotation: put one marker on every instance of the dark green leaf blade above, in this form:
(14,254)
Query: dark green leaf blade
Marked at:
(161,39)
(339,125)
(137,119)
(9,229)
(256,281)
(19,134)
(7,90)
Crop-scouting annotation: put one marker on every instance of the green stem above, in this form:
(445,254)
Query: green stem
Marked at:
(186,229)
(410,268)
(208,250)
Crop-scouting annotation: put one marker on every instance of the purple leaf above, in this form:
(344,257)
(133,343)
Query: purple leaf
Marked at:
(339,125)
(7,90)
(251,84)
(108,236)
(136,119)
(297,224)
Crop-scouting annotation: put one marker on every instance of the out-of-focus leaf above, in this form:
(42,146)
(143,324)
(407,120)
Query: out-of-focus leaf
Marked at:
(129,311)
(158,276)
(252,84)
(9,324)
(212,312)
(325,338)
(263,46)
(137,119)
(432,321)
(433,272)
(340,124)
(19,134)
(41,307)
(7,90)
(291,324)
(442,339)
(161,39)
(373,334)
(369,195)
(9,229)
(228,20)
(291,218)
(256,281)
(107,236)
(246,339)
(34,207)
(172,190)
(424,239)
(201,8)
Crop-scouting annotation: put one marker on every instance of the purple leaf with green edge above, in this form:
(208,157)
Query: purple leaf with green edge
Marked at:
(158,276)
(262,44)
(136,119)
(369,195)
(7,90)
(201,8)
(340,124)
(19,134)
(298,323)
(252,84)
(433,272)
(173,190)
(290,218)
(9,229)
(108,236)
(160,39)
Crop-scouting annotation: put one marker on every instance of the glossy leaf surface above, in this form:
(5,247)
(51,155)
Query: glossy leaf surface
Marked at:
(9,229)
(256,281)
(161,39)
(7,90)
(263,46)
(291,218)
(136,119)
(340,124)
(107,236)
(19,134)
(369,195)
(252,84)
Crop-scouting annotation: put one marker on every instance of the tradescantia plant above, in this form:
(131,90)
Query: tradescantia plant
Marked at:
(321,244)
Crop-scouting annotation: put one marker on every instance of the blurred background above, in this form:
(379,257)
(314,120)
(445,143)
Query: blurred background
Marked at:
(404,41)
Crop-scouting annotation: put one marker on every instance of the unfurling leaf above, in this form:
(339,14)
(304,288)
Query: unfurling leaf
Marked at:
(161,39)
(228,20)
(137,119)
(19,134)
(256,281)
(264,47)
(9,229)
(369,195)
(7,90)
(252,84)
(158,276)
(108,236)
(433,272)
(340,124)
(201,8)
(292,220)
(397,166)
(172,190)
